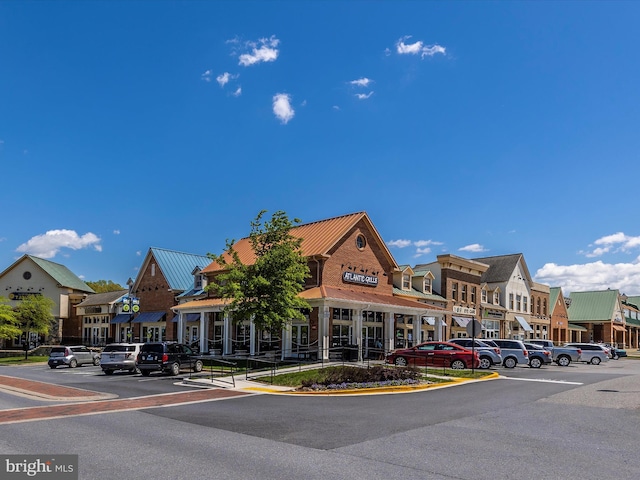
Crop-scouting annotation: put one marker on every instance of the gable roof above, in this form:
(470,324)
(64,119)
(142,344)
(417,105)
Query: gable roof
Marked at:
(102,298)
(592,306)
(501,267)
(634,300)
(554,293)
(61,274)
(318,239)
(176,267)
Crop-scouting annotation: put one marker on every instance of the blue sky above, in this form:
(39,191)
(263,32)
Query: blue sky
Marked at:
(471,128)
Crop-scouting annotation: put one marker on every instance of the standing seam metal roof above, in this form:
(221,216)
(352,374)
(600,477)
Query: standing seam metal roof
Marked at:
(177,266)
(61,274)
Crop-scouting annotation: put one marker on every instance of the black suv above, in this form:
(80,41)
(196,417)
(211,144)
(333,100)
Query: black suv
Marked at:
(167,357)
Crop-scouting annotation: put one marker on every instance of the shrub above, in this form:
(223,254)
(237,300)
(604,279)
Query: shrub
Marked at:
(355,375)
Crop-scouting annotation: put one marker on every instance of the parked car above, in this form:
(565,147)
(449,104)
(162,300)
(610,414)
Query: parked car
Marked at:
(563,356)
(591,352)
(72,356)
(614,352)
(538,355)
(513,352)
(489,355)
(436,354)
(168,357)
(119,356)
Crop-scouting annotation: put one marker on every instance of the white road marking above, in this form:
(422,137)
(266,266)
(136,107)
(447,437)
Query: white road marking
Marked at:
(564,382)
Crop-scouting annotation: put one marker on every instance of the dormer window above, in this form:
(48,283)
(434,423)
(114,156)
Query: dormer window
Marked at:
(496,298)
(406,281)
(197,282)
(427,285)
(484,296)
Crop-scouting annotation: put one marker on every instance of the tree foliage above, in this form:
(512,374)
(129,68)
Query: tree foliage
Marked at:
(9,323)
(268,289)
(104,286)
(34,314)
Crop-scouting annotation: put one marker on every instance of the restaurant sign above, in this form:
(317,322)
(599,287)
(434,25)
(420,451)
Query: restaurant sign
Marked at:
(360,279)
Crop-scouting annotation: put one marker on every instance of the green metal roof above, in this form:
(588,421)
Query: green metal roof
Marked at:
(177,266)
(61,274)
(634,301)
(577,328)
(592,306)
(554,293)
(632,321)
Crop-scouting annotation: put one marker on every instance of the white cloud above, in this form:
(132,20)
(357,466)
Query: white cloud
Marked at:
(238,92)
(617,242)
(262,51)
(422,251)
(225,77)
(139,253)
(474,247)
(592,276)
(418,48)
(363,96)
(361,82)
(399,243)
(116,232)
(282,107)
(424,243)
(50,243)
(336,107)
(206,76)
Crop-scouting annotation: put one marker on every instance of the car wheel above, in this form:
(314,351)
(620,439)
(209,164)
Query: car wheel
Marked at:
(108,372)
(52,366)
(198,366)
(535,362)
(73,363)
(96,362)
(485,362)
(595,361)
(564,360)
(458,365)
(175,369)
(400,361)
(616,356)
(510,362)
(146,373)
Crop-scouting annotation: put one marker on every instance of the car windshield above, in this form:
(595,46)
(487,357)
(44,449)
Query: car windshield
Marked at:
(119,348)
(152,347)
(58,350)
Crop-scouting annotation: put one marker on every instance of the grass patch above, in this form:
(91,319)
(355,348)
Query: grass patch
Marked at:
(448,372)
(21,360)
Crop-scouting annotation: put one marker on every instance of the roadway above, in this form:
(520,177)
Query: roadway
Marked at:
(551,423)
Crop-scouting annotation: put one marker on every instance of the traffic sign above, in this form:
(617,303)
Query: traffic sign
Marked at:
(474,328)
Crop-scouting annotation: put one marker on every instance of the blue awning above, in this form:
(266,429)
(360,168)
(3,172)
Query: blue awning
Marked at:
(149,317)
(121,318)
(523,323)
(188,317)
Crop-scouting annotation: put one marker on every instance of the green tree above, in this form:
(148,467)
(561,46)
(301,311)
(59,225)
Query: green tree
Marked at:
(9,323)
(268,289)
(104,286)
(34,314)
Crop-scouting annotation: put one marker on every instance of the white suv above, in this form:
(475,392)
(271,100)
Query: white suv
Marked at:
(119,356)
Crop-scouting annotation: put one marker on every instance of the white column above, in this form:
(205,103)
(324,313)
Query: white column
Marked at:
(357,325)
(252,337)
(204,347)
(227,336)
(438,334)
(180,328)
(390,335)
(286,341)
(323,320)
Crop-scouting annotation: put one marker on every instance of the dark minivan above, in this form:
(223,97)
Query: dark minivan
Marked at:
(168,357)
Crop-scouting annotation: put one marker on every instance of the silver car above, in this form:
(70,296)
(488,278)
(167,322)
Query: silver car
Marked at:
(513,352)
(72,356)
(489,355)
(591,352)
(119,356)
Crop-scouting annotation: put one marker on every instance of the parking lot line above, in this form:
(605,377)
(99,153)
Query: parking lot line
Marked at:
(541,380)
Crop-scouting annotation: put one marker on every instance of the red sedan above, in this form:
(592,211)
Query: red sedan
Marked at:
(435,354)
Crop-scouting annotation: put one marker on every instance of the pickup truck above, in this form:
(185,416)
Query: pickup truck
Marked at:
(563,356)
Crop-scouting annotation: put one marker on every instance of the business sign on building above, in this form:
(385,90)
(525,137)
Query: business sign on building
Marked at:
(464,310)
(360,279)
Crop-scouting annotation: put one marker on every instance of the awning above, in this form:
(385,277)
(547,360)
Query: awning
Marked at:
(462,321)
(619,328)
(188,317)
(121,318)
(429,320)
(523,323)
(149,317)
(577,328)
